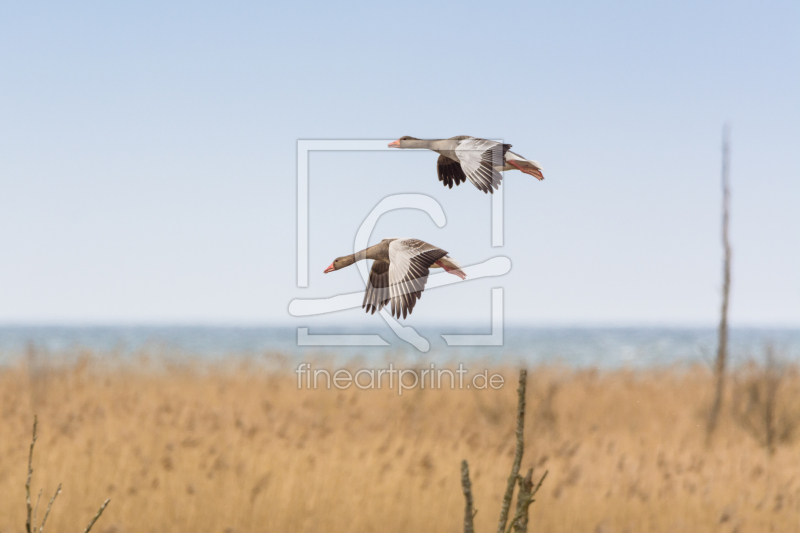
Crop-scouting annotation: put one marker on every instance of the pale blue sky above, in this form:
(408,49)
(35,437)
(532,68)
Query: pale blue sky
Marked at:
(148,155)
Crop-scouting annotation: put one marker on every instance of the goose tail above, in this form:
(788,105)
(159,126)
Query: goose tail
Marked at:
(528,166)
(451,266)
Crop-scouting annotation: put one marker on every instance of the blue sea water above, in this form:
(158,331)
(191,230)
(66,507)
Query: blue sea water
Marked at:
(573,346)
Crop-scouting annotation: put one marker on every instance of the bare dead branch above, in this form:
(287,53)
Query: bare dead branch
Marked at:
(512,478)
(526,489)
(466,486)
(30,521)
(722,343)
(538,485)
(523,502)
(28,482)
(49,505)
(36,509)
(520,521)
(99,512)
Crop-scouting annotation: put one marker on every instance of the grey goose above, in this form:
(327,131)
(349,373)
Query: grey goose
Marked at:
(480,161)
(399,272)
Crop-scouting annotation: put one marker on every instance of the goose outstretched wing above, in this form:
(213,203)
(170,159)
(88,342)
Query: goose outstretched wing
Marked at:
(479,158)
(409,264)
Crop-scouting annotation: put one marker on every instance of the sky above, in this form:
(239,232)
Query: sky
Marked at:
(148,157)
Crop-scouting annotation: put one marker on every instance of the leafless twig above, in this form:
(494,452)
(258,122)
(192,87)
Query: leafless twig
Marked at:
(28,482)
(49,505)
(722,344)
(466,486)
(30,523)
(99,512)
(36,509)
(523,502)
(526,492)
(520,521)
(512,478)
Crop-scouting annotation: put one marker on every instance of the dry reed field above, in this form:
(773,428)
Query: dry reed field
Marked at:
(240,449)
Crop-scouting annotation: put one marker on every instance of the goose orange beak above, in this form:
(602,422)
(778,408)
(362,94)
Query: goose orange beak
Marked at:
(329,269)
(395,144)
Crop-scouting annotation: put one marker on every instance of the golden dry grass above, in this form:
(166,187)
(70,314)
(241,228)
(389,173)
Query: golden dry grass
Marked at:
(242,449)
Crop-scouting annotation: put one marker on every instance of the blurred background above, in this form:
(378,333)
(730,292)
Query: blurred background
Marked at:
(148,162)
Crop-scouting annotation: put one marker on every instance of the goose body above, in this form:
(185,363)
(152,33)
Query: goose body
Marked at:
(399,272)
(480,161)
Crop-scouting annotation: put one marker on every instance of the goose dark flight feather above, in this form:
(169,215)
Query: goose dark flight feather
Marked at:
(480,161)
(399,272)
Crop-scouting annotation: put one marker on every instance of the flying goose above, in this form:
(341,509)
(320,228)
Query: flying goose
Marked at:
(399,272)
(479,160)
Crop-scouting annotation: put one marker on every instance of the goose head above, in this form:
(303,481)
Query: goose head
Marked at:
(340,262)
(404,142)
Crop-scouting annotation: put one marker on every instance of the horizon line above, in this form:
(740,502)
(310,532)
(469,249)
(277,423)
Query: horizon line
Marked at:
(284,325)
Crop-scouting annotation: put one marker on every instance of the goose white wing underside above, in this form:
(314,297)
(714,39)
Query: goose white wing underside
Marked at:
(478,158)
(409,264)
